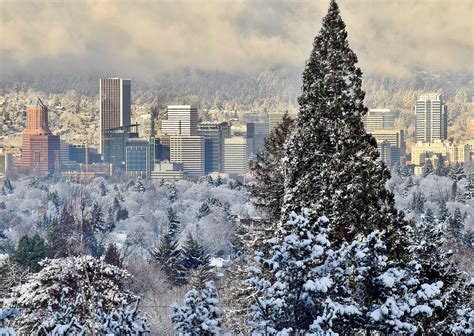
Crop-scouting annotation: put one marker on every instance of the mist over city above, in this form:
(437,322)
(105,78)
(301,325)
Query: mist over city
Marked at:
(236,167)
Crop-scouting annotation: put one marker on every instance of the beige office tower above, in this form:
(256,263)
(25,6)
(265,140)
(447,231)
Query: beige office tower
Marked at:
(182,120)
(379,119)
(396,139)
(115,105)
(431,118)
(274,119)
(189,151)
(236,155)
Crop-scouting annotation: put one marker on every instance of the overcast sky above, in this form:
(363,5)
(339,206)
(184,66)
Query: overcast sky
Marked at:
(141,37)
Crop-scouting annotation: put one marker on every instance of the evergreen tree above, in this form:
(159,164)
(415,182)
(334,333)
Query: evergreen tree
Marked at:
(124,320)
(267,192)
(167,257)
(417,203)
(103,189)
(174,227)
(3,206)
(63,320)
(193,254)
(63,280)
(440,169)
(427,168)
(454,191)
(199,315)
(97,218)
(435,264)
(60,233)
(30,251)
(7,186)
(443,213)
(332,164)
(112,255)
(204,210)
(455,225)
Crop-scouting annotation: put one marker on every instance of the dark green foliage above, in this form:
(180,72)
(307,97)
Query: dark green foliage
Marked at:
(2,205)
(443,213)
(167,257)
(7,186)
(437,265)
(204,210)
(139,187)
(193,254)
(454,191)
(174,228)
(417,203)
(332,164)
(455,226)
(218,181)
(440,169)
(112,256)
(427,168)
(117,211)
(30,251)
(97,218)
(103,189)
(267,192)
(60,233)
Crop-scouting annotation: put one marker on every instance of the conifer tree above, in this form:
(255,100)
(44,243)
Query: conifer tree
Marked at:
(332,164)
(267,192)
(112,255)
(455,225)
(7,186)
(30,251)
(199,314)
(174,227)
(167,257)
(426,246)
(427,168)
(193,254)
(440,169)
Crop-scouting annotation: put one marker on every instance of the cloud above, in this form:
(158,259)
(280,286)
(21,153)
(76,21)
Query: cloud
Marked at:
(143,37)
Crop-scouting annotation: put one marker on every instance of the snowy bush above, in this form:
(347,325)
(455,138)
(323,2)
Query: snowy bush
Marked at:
(199,314)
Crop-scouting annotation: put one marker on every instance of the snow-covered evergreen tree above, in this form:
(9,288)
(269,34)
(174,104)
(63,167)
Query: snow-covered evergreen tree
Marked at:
(267,192)
(167,257)
(436,264)
(427,168)
(199,314)
(193,254)
(91,279)
(455,226)
(307,287)
(332,164)
(124,320)
(174,227)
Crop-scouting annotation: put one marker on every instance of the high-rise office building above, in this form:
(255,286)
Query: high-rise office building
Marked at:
(431,118)
(274,119)
(214,134)
(379,119)
(139,157)
(40,148)
(396,139)
(115,105)
(114,141)
(182,120)
(236,155)
(189,151)
(257,132)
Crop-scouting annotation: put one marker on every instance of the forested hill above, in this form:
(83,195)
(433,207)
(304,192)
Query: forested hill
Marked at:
(268,90)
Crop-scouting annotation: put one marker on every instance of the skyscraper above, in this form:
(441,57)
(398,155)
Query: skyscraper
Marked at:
(115,105)
(236,154)
(431,118)
(379,119)
(396,139)
(182,120)
(189,151)
(214,134)
(40,149)
(257,132)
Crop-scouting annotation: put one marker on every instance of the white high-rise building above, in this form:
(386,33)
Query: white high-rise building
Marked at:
(189,151)
(379,119)
(431,118)
(182,120)
(236,155)
(115,105)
